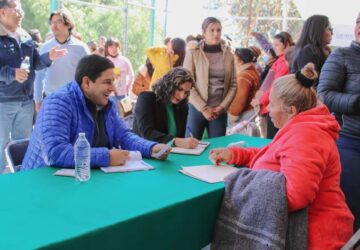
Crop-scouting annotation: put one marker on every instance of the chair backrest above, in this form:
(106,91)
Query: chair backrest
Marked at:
(353,243)
(15,152)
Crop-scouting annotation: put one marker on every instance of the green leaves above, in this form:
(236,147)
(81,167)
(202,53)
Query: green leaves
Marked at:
(93,22)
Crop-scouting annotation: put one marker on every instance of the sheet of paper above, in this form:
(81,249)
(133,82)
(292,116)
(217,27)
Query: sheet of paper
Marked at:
(128,167)
(191,151)
(134,164)
(65,172)
(209,173)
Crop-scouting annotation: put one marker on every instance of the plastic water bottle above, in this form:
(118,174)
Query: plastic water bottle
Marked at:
(26,63)
(82,158)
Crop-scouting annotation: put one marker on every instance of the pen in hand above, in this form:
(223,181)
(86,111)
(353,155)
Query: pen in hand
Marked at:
(192,140)
(189,131)
(192,136)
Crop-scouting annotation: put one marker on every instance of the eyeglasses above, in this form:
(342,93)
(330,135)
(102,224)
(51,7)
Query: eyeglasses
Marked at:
(18,11)
(59,21)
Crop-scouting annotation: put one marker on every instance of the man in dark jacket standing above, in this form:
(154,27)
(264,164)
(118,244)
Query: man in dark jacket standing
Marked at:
(339,86)
(16,82)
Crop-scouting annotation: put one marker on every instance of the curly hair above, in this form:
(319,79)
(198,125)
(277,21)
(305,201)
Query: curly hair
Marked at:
(165,87)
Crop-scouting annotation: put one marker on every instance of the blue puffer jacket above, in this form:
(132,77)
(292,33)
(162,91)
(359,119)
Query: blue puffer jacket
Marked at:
(62,117)
(339,86)
(11,56)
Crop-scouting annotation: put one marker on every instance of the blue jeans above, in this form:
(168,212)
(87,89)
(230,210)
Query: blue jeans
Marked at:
(197,122)
(16,118)
(349,149)
(116,100)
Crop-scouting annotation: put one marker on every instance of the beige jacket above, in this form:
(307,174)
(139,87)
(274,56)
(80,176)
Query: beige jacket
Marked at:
(198,64)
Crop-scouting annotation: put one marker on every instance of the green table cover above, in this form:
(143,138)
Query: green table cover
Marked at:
(157,209)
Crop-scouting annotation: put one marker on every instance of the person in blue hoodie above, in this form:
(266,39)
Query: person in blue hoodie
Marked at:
(16,82)
(83,106)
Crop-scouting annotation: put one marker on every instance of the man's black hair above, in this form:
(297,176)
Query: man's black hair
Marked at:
(92,66)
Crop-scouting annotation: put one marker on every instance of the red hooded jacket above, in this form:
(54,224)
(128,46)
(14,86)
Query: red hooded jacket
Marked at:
(304,150)
(280,69)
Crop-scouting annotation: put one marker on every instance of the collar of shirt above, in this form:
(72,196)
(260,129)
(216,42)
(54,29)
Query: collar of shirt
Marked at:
(66,41)
(16,35)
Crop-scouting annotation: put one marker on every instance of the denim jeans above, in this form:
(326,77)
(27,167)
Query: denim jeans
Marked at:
(349,149)
(16,118)
(116,100)
(197,123)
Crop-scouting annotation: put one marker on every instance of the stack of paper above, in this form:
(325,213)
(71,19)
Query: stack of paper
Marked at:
(128,167)
(209,173)
(191,151)
(135,163)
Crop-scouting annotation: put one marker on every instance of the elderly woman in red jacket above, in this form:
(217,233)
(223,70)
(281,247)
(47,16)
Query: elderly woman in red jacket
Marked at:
(304,150)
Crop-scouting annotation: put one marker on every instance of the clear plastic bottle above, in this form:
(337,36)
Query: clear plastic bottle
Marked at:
(82,158)
(26,63)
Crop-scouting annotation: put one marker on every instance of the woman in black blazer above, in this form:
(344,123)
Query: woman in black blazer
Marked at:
(161,115)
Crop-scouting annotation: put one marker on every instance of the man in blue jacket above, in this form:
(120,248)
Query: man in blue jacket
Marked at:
(16,83)
(83,106)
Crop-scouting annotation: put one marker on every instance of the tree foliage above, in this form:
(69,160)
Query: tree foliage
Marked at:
(252,10)
(91,23)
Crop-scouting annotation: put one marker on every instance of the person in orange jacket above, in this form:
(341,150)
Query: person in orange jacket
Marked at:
(311,166)
(248,82)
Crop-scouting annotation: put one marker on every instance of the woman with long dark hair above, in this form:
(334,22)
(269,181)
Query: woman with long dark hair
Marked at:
(161,115)
(312,45)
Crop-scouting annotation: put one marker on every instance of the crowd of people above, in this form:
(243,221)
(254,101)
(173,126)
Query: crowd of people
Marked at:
(306,98)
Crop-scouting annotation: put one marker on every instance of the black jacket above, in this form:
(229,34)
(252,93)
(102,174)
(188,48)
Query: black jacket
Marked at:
(309,53)
(339,86)
(150,119)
